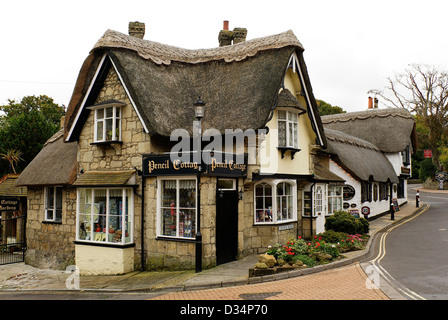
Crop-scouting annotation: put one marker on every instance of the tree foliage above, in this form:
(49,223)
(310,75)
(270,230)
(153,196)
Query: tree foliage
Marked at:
(24,128)
(423,90)
(327,109)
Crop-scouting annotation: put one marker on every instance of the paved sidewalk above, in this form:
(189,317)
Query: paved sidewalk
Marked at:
(326,280)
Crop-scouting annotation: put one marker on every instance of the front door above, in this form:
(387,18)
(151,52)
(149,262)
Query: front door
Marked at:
(226,221)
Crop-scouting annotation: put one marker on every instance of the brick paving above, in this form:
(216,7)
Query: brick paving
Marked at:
(346,283)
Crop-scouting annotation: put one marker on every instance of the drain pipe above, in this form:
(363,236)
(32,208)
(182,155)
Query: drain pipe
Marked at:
(142,233)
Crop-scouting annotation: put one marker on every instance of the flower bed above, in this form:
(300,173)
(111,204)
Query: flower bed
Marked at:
(296,254)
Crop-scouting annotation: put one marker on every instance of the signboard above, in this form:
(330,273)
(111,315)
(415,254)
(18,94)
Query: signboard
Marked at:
(225,165)
(427,153)
(9,204)
(285,227)
(348,192)
(395,203)
(365,211)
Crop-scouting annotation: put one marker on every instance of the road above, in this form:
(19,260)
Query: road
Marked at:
(415,254)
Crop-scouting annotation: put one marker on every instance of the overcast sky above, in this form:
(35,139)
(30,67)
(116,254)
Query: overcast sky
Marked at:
(350,46)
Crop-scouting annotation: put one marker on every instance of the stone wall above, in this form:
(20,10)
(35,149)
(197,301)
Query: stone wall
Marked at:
(50,245)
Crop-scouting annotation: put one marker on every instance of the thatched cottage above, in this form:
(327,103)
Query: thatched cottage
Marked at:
(122,179)
(371,150)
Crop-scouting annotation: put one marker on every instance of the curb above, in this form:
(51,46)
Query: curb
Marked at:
(297,273)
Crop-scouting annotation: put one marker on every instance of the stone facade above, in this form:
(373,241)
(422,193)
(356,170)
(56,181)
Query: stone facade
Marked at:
(50,244)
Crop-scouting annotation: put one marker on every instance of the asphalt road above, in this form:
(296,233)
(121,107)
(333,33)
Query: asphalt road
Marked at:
(416,252)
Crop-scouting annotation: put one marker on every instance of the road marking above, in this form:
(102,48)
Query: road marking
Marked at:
(382,252)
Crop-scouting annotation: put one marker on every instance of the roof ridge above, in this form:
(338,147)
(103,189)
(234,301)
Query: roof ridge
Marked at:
(164,54)
(362,115)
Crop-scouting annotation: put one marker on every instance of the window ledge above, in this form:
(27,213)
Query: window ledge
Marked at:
(106,143)
(284,149)
(105,244)
(51,222)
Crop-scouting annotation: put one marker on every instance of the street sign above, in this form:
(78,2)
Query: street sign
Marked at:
(427,153)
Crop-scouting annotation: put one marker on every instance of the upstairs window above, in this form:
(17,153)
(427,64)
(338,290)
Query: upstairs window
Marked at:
(288,129)
(108,124)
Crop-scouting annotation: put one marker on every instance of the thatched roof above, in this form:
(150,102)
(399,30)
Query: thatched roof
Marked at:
(360,158)
(239,83)
(390,129)
(55,164)
(8,187)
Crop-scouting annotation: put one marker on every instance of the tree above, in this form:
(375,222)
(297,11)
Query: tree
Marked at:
(13,156)
(423,90)
(327,109)
(26,126)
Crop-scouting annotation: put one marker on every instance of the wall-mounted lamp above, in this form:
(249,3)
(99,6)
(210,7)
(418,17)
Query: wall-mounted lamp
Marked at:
(240,194)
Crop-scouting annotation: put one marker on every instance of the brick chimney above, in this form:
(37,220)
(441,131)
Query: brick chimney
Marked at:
(226,37)
(137,29)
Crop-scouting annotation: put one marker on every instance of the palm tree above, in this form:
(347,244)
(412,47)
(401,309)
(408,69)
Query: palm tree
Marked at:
(13,156)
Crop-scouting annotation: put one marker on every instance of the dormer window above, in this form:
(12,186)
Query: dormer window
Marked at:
(107,121)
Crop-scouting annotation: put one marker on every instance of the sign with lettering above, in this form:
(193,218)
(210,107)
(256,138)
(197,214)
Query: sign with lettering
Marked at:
(427,153)
(9,204)
(217,164)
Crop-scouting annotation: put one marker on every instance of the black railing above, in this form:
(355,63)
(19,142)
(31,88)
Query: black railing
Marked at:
(12,240)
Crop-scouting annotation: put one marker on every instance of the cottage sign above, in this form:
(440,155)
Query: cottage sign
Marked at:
(9,204)
(159,165)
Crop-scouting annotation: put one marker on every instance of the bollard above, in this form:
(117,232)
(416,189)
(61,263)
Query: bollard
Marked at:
(417,199)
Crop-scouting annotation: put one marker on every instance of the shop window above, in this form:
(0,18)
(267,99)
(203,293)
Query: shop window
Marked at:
(53,204)
(288,129)
(105,215)
(282,209)
(335,196)
(108,124)
(319,200)
(177,208)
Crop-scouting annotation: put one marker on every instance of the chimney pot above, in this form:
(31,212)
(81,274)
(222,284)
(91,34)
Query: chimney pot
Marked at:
(137,29)
(370,103)
(375,103)
(225,25)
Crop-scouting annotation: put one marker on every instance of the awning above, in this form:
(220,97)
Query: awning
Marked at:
(106,179)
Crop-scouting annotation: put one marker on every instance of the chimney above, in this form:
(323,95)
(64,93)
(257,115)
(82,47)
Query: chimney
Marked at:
(137,29)
(370,103)
(239,35)
(375,103)
(225,36)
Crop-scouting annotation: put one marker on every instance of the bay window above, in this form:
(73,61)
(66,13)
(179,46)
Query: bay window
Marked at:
(177,208)
(275,202)
(105,215)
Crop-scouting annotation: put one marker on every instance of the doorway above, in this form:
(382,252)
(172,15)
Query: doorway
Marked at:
(226,220)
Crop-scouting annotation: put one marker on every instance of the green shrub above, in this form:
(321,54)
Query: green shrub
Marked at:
(310,262)
(331,236)
(343,221)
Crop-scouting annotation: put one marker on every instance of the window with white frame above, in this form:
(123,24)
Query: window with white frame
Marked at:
(335,194)
(177,208)
(105,215)
(275,202)
(53,204)
(288,129)
(319,199)
(108,124)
